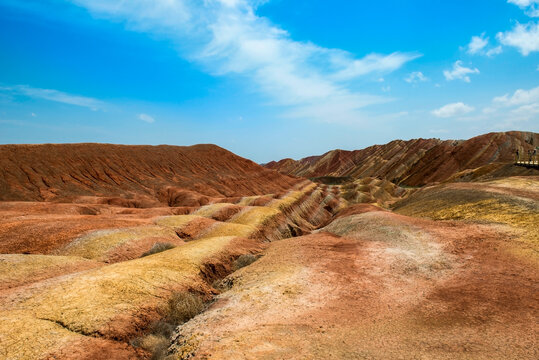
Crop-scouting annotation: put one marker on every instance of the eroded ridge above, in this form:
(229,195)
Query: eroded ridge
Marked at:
(98,293)
(459,282)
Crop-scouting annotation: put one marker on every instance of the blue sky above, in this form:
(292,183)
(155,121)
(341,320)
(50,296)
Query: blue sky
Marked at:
(266,79)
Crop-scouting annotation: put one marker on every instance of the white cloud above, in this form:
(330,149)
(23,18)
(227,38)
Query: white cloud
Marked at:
(54,95)
(522,105)
(477,44)
(147,118)
(416,76)
(371,63)
(459,72)
(524,37)
(519,97)
(452,110)
(529,5)
(494,51)
(227,37)
(523,3)
(33,114)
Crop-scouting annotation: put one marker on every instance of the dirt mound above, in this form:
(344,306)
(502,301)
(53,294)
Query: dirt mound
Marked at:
(144,174)
(414,162)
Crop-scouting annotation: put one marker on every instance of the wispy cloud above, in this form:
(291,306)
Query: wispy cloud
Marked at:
(477,44)
(480,45)
(53,95)
(453,110)
(460,72)
(415,77)
(494,51)
(146,118)
(227,37)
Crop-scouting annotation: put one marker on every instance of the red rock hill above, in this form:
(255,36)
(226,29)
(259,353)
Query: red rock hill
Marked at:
(414,162)
(66,172)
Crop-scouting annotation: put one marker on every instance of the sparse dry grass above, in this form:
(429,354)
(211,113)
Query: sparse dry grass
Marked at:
(157,248)
(481,205)
(96,301)
(23,336)
(248,200)
(89,302)
(18,269)
(255,216)
(209,210)
(292,197)
(97,244)
(177,221)
(228,229)
(183,306)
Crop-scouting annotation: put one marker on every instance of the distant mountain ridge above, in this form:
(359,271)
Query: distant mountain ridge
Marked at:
(414,162)
(158,173)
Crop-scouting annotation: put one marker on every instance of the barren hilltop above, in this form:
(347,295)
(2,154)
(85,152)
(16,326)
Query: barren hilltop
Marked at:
(414,162)
(153,173)
(165,252)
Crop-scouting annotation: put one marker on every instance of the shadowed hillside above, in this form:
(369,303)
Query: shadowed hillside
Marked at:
(414,162)
(171,174)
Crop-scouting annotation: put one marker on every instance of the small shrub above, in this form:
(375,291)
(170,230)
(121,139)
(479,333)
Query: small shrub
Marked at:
(183,306)
(163,328)
(244,260)
(157,248)
(156,344)
(223,284)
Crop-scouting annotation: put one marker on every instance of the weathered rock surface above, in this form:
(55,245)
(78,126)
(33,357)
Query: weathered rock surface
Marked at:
(414,162)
